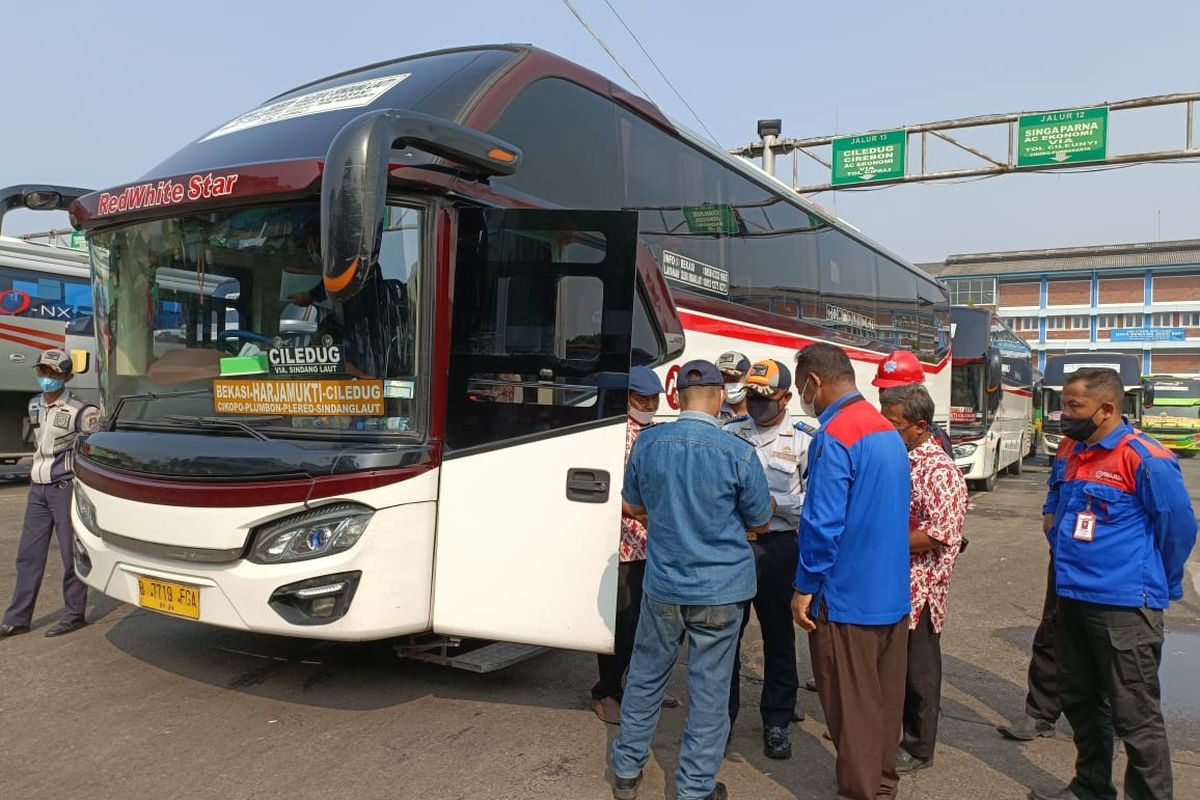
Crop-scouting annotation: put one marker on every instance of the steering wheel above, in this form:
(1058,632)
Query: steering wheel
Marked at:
(236,336)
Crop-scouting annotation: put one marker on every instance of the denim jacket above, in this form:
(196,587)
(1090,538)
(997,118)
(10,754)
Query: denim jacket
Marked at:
(701,489)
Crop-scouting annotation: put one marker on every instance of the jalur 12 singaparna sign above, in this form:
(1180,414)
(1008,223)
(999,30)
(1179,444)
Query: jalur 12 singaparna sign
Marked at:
(1062,137)
(868,157)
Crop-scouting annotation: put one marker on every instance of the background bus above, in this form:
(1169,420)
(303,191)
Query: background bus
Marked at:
(43,288)
(457,278)
(991,396)
(1058,366)
(1172,412)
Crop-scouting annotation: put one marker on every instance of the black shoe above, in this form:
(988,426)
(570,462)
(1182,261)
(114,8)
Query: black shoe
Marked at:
(1026,729)
(626,788)
(1063,793)
(797,714)
(12,630)
(776,742)
(63,628)
(719,793)
(906,762)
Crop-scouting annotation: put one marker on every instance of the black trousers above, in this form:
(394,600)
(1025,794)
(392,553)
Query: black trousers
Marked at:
(775,557)
(922,688)
(1108,660)
(1042,701)
(630,575)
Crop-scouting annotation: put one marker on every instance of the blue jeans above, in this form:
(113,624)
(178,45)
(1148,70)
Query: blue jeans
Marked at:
(712,634)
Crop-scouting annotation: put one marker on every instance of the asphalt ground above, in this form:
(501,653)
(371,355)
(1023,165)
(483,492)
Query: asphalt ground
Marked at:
(142,705)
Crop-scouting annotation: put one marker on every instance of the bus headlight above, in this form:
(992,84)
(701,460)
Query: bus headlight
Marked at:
(311,534)
(86,510)
(965,450)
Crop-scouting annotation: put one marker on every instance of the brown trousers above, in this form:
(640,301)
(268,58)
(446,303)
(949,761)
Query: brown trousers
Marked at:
(859,671)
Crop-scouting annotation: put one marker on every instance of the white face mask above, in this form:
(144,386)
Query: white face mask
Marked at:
(806,406)
(735,393)
(641,417)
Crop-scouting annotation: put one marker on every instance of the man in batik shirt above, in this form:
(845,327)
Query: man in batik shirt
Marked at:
(645,389)
(939,504)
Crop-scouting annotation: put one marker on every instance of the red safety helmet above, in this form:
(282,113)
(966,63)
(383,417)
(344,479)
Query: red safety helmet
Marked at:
(901,368)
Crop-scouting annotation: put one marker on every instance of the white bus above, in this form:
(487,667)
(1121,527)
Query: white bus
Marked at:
(43,289)
(991,396)
(436,452)
(1060,365)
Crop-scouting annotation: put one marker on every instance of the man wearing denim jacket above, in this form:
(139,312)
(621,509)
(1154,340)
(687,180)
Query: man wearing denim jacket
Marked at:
(701,490)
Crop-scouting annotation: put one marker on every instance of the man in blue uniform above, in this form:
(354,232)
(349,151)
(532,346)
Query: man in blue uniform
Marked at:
(1121,526)
(852,583)
(57,418)
(701,490)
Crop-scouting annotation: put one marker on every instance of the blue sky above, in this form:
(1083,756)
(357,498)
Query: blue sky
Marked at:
(96,93)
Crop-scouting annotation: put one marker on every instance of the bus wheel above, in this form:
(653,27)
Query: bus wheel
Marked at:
(1018,466)
(989,483)
(1186,453)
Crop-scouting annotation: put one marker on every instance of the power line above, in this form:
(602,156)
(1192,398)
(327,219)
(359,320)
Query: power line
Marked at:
(571,7)
(657,69)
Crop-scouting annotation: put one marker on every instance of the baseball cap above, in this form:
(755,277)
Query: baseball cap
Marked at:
(768,377)
(642,380)
(56,359)
(699,373)
(733,361)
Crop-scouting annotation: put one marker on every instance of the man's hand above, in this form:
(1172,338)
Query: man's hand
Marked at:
(801,603)
(1047,523)
(634,512)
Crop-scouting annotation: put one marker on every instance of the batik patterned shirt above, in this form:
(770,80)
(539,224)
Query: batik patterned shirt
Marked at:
(633,533)
(939,505)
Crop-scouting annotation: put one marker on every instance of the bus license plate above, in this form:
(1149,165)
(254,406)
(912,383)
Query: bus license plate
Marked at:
(170,598)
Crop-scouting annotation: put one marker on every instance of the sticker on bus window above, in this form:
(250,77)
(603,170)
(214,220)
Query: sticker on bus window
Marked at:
(335,98)
(962,414)
(297,398)
(694,274)
(312,360)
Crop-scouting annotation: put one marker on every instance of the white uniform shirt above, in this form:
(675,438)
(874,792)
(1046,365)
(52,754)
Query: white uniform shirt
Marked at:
(783,452)
(56,426)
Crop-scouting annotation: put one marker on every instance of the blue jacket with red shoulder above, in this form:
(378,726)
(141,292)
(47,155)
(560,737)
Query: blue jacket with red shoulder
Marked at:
(1145,527)
(854,525)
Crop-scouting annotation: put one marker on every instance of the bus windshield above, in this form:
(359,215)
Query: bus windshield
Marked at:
(966,396)
(226,314)
(1052,408)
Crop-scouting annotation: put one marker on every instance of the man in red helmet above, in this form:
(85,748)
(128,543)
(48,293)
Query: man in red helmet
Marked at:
(903,368)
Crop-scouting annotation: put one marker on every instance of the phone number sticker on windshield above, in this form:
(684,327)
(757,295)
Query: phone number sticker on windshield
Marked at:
(296,398)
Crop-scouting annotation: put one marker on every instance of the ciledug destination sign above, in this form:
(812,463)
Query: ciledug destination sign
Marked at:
(868,157)
(1059,137)
(299,397)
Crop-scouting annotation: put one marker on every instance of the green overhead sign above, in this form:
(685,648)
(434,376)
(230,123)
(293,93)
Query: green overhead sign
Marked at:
(869,157)
(711,218)
(78,240)
(1062,136)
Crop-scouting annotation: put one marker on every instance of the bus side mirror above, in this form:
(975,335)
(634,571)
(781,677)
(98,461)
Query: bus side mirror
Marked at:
(1147,394)
(38,198)
(995,370)
(355,176)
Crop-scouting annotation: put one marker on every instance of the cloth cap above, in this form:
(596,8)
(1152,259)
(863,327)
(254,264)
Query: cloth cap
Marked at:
(768,377)
(733,361)
(56,359)
(642,380)
(699,373)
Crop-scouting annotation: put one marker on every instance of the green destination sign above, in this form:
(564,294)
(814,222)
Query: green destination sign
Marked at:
(1062,136)
(711,218)
(869,157)
(78,240)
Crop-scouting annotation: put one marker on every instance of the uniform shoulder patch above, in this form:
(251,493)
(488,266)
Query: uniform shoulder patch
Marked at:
(804,427)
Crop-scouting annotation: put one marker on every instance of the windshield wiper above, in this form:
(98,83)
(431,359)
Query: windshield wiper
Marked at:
(112,420)
(221,422)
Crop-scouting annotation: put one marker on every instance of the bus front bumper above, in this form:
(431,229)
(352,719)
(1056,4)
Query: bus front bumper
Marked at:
(971,459)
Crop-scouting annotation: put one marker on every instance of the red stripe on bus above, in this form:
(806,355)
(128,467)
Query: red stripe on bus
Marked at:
(57,338)
(736,330)
(8,337)
(1021,392)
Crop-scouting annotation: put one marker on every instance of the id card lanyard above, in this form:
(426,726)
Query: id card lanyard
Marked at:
(1085,524)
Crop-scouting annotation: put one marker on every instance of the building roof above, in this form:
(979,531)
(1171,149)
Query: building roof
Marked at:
(1136,255)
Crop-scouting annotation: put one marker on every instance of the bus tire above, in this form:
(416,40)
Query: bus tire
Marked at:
(989,483)
(1018,466)
(1186,453)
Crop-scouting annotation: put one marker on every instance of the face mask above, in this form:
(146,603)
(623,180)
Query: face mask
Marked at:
(762,409)
(1079,428)
(641,417)
(735,393)
(49,385)
(806,406)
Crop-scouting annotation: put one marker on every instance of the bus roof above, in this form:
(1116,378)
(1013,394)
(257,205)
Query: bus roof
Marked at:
(1060,365)
(21,254)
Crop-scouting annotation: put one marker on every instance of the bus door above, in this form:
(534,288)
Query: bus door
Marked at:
(529,503)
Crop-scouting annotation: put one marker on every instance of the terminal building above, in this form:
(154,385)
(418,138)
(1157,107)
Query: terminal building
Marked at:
(1142,298)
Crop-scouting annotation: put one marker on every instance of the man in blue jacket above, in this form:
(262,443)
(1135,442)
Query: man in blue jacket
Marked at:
(1121,527)
(852,582)
(701,491)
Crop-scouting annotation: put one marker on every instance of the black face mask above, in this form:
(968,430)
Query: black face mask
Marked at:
(1079,428)
(762,409)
